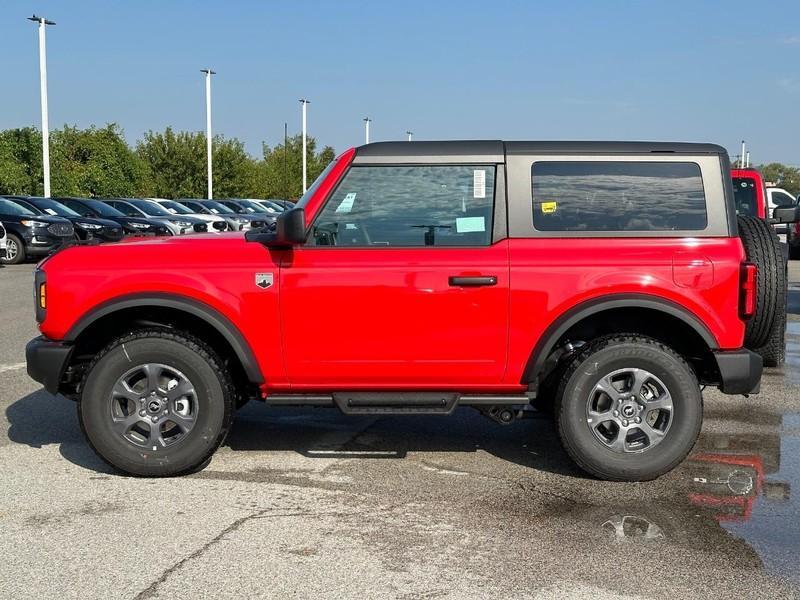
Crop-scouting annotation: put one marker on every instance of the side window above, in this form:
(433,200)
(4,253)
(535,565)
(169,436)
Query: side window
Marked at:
(589,196)
(409,206)
(780,199)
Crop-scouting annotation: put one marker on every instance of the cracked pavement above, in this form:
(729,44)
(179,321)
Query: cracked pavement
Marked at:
(309,503)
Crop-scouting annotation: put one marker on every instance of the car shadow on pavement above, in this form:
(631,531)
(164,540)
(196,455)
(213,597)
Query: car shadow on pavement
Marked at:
(40,419)
(326,433)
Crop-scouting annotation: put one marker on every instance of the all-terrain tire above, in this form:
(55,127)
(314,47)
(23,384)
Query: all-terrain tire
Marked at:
(621,352)
(774,351)
(213,392)
(762,247)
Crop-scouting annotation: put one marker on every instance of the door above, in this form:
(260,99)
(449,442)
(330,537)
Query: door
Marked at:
(399,283)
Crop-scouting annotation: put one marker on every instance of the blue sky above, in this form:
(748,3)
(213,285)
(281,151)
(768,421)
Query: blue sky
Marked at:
(672,70)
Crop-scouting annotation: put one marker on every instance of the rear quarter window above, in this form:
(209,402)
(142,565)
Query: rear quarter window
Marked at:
(600,196)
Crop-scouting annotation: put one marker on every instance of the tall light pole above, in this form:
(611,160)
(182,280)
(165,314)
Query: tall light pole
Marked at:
(409,134)
(367,121)
(209,139)
(43,91)
(304,102)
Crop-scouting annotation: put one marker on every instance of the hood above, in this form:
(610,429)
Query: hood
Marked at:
(94,221)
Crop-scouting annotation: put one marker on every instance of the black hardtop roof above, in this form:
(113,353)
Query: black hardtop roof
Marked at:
(498,147)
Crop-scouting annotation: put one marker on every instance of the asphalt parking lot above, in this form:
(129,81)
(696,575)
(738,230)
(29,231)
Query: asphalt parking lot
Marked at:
(308,503)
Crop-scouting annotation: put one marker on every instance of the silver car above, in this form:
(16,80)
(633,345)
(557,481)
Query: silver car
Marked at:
(216,223)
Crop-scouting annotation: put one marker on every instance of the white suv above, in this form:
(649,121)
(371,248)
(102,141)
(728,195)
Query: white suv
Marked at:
(2,242)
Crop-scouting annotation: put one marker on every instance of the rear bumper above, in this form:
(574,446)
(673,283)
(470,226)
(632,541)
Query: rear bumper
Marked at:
(740,371)
(47,361)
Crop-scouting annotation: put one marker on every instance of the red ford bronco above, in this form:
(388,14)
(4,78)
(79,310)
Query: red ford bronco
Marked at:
(606,282)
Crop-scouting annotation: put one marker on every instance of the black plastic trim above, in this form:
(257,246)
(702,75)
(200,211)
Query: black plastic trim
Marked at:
(198,309)
(740,371)
(46,361)
(561,325)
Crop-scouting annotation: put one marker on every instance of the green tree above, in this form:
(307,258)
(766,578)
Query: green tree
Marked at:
(177,165)
(21,161)
(95,162)
(783,176)
(281,173)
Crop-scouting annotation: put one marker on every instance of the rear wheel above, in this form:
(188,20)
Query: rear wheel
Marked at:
(15,250)
(156,403)
(628,408)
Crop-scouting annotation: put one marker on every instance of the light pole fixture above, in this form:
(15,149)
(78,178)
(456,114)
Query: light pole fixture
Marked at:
(43,92)
(367,121)
(304,104)
(409,134)
(209,73)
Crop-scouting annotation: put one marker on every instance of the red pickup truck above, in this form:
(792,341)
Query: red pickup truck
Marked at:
(605,279)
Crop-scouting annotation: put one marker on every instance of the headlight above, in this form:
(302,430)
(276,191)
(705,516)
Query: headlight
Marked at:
(181,223)
(88,225)
(28,223)
(139,225)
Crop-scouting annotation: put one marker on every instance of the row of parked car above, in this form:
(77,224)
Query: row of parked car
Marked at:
(34,226)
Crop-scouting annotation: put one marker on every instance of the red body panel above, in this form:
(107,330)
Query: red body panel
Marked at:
(760,187)
(387,318)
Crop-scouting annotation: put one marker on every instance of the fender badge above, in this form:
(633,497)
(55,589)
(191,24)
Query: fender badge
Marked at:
(264,280)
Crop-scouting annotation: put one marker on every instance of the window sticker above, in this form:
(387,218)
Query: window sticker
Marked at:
(470,224)
(479,184)
(50,212)
(549,207)
(347,204)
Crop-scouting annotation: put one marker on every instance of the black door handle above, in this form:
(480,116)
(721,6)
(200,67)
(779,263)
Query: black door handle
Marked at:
(458,281)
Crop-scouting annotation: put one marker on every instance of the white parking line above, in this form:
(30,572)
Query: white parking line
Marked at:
(12,367)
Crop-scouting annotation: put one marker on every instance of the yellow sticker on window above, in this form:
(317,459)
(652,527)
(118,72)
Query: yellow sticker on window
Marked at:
(549,207)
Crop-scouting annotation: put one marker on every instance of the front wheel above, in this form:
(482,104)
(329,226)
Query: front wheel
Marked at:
(628,408)
(156,403)
(15,250)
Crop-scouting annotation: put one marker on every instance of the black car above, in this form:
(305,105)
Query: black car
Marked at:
(86,228)
(95,209)
(30,234)
(250,209)
(139,207)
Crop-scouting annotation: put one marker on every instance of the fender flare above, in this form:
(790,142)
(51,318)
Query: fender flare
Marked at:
(547,342)
(203,311)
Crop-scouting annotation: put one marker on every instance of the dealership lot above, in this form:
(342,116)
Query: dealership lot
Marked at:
(304,503)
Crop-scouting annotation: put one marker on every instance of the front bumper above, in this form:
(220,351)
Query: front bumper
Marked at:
(47,360)
(740,371)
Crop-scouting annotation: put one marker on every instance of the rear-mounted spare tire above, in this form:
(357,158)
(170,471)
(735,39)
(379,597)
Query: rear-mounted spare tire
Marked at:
(765,330)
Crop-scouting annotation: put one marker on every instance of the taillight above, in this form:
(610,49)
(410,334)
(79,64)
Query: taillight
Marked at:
(40,294)
(747,290)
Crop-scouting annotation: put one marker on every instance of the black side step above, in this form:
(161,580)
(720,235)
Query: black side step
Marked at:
(396,403)
(366,403)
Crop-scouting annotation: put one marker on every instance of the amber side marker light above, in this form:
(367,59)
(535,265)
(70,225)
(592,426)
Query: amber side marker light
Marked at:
(42,295)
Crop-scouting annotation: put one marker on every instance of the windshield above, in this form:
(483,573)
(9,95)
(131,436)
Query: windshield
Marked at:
(744,194)
(150,208)
(317,182)
(252,206)
(217,208)
(12,208)
(179,209)
(102,209)
(53,208)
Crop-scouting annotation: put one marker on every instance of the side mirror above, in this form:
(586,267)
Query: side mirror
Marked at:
(789,214)
(289,229)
